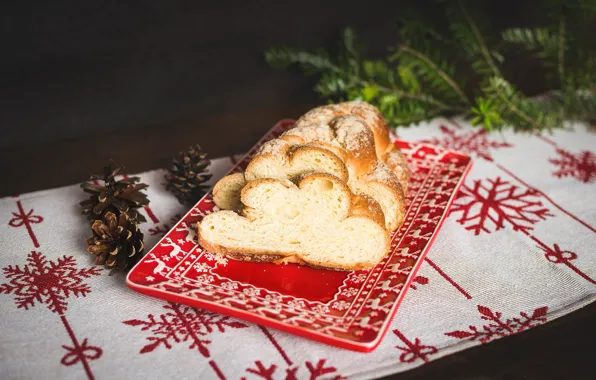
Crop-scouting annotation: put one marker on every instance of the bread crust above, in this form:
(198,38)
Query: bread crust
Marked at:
(347,136)
(370,114)
(230,199)
(291,153)
(396,160)
(383,175)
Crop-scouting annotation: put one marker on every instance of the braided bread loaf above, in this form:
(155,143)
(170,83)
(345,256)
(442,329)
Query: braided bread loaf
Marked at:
(345,145)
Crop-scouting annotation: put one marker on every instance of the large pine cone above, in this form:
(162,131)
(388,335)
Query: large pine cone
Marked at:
(124,196)
(188,174)
(117,242)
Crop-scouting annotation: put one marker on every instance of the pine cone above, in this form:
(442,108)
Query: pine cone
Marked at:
(117,242)
(124,196)
(187,175)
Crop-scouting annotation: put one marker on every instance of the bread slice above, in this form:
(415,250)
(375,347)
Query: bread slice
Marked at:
(325,148)
(318,222)
(289,158)
(226,192)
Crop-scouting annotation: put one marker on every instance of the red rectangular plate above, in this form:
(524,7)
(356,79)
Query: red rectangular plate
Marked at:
(351,310)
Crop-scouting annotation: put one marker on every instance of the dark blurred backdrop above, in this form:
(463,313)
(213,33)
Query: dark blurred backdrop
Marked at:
(78,68)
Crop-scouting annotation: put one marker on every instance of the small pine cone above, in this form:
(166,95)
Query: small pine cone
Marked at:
(124,196)
(187,176)
(117,242)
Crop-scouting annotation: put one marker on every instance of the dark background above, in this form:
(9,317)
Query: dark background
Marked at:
(71,69)
(85,82)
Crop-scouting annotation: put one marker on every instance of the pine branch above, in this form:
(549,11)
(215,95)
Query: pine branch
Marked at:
(426,61)
(477,42)
(516,109)
(418,81)
(537,39)
(311,62)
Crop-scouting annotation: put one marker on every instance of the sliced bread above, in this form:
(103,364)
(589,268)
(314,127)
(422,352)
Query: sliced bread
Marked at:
(318,222)
(344,148)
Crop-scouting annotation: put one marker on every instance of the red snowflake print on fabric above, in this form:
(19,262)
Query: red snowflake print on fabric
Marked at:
(498,327)
(421,280)
(165,227)
(581,166)
(489,205)
(183,324)
(470,142)
(42,281)
(26,219)
(556,255)
(413,350)
(448,278)
(315,371)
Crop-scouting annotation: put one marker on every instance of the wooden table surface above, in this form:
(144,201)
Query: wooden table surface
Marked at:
(562,349)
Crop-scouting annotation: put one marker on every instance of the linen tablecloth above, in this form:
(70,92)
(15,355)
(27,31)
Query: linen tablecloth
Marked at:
(517,250)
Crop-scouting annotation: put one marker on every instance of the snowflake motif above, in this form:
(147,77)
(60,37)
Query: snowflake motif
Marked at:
(47,282)
(202,267)
(229,285)
(413,349)
(470,142)
(273,298)
(340,305)
(176,249)
(251,292)
(495,204)
(316,371)
(159,230)
(295,305)
(219,259)
(321,309)
(359,278)
(581,166)
(183,324)
(349,292)
(498,328)
(205,278)
(273,301)
(191,233)
(51,283)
